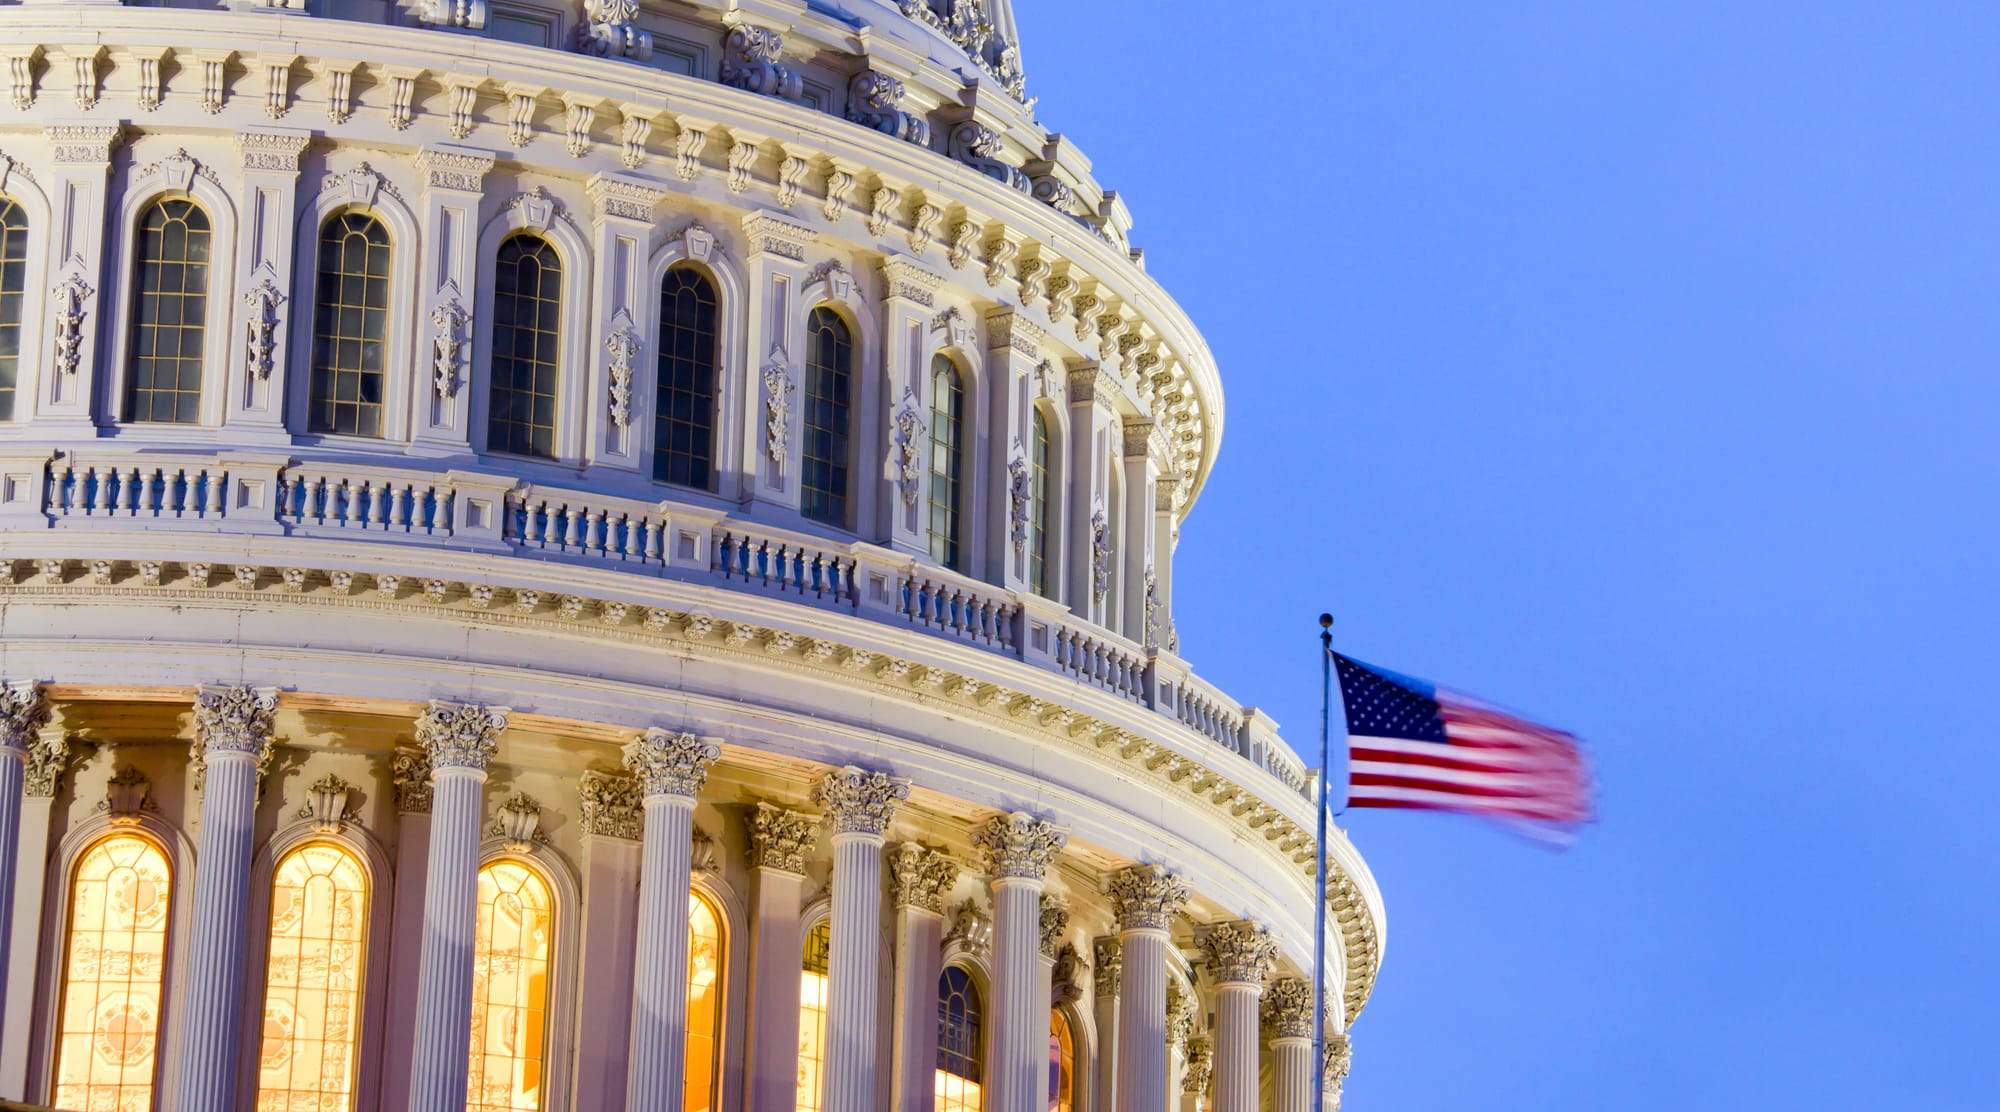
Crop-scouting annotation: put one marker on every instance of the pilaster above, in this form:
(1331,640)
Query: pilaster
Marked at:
(919,878)
(613,820)
(858,805)
(779,843)
(69,377)
(1013,352)
(1147,899)
(259,356)
(621,348)
(913,329)
(1092,413)
(1136,559)
(1107,969)
(775,257)
(454,182)
(24,712)
(410,775)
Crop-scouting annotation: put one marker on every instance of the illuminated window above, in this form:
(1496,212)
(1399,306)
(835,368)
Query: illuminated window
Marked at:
(169,314)
(961,1055)
(684,404)
(1038,508)
(812,1016)
(312,986)
(113,963)
(527,336)
(704,1014)
(350,326)
(510,989)
(13,285)
(1062,1064)
(947,459)
(829,388)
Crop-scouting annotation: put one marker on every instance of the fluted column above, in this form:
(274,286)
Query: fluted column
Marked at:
(1240,956)
(918,881)
(1018,849)
(460,740)
(232,741)
(23,712)
(1147,898)
(779,841)
(1288,1013)
(859,805)
(1107,972)
(671,769)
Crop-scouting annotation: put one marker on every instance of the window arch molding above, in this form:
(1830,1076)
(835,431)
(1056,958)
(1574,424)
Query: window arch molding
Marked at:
(376,864)
(737,421)
(576,378)
(565,1007)
(220,347)
(55,931)
(35,312)
(1055,417)
(735,971)
(869,495)
(404,391)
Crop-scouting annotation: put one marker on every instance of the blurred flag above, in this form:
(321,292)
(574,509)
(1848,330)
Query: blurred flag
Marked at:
(1411,745)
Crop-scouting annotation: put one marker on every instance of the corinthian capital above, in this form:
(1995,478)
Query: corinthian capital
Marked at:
(1055,920)
(1339,1058)
(858,801)
(233,720)
(24,710)
(779,839)
(668,763)
(1109,964)
(1018,845)
(460,735)
(1240,953)
(1147,897)
(920,878)
(1288,1008)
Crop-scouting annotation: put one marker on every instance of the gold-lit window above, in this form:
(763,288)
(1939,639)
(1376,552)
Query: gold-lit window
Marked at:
(704,1014)
(812,1015)
(113,964)
(312,983)
(961,1047)
(511,947)
(1062,1064)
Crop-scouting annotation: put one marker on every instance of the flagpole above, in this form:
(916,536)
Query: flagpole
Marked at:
(1319,863)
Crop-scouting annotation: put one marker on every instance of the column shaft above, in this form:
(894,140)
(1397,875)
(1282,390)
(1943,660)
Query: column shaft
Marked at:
(442,1044)
(919,938)
(1019,1053)
(13,769)
(856,961)
(1236,1047)
(406,943)
(31,846)
(211,1011)
(771,1061)
(660,967)
(1142,1021)
(1291,1068)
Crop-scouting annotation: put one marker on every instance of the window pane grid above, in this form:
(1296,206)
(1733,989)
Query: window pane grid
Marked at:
(960,1051)
(947,433)
(527,336)
(350,326)
(684,405)
(1038,509)
(113,964)
(13,285)
(312,994)
(812,1016)
(170,308)
(829,383)
(512,941)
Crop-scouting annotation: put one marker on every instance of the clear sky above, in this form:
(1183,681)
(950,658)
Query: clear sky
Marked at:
(1633,364)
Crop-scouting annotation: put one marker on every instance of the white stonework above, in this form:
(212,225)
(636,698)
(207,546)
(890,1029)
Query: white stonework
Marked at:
(272,597)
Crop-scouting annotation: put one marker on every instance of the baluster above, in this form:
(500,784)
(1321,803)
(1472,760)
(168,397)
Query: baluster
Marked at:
(654,529)
(377,512)
(399,516)
(128,494)
(635,534)
(212,503)
(101,495)
(594,539)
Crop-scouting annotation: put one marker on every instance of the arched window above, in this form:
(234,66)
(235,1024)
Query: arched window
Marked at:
(1062,1064)
(312,986)
(1038,508)
(13,287)
(947,459)
(350,326)
(511,948)
(961,1052)
(829,398)
(527,337)
(704,1011)
(114,961)
(169,314)
(684,404)
(812,1015)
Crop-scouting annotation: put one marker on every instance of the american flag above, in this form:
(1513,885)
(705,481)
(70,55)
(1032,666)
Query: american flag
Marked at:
(1411,745)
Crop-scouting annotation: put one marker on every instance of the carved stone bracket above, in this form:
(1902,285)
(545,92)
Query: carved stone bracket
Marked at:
(750,58)
(326,805)
(978,146)
(872,100)
(610,29)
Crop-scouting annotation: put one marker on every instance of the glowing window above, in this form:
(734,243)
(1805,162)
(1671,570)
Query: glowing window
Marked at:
(350,326)
(704,1014)
(947,459)
(169,314)
(510,989)
(684,404)
(527,337)
(1062,1064)
(961,1055)
(13,285)
(812,1016)
(312,985)
(113,963)
(1038,508)
(829,387)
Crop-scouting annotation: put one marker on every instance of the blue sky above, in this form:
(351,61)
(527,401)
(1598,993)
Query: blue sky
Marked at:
(1632,364)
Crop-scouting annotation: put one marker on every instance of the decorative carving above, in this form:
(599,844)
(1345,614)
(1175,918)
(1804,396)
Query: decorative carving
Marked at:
(1018,492)
(920,877)
(1152,604)
(460,735)
(1108,962)
(1240,953)
(278,83)
(326,805)
(21,78)
(872,100)
(622,345)
(957,330)
(1066,979)
(858,801)
(742,161)
(339,91)
(750,62)
(791,175)
(263,300)
(971,929)
(1147,897)
(467,14)
(669,763)
(1054,192)
(48,758)
(1181,1009)
(882,210)
(780,839)
(518,824)
(632,137)
(610,29)
(1100,556)
(1018,845)
(978,146)
(1054,921)
(687,152)
(70,294)
(839,280)
(964,238)
(999,256)
(839,183)
(969,24)
(1288,1007)
(1033,280)
(127,795)
(24,710)
(579,115)
(767,231)
(611,806)
(447,344)
(909,450)
(83,143)
(702,856)
(402,93)
(1200,1066)
(233,720)
(455,168)
(778,388)
(464,98)
(1338,1059)
(924,227)
(83,75)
